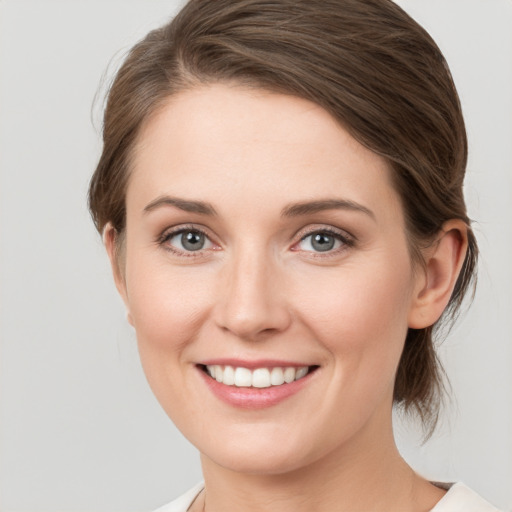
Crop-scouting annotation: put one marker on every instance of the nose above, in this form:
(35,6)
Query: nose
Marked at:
(252,303)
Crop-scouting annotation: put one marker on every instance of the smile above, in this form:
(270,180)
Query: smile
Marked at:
(255,385)
(258,377)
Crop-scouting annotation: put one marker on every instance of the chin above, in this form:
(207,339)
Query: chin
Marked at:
(267,451)
(261,463)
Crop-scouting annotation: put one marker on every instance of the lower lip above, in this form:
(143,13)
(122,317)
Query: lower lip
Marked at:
(254,398)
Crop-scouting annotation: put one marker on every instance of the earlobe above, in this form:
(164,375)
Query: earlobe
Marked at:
(443,262)
(111,242)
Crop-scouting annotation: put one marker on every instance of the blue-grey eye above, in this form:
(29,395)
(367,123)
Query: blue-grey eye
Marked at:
(321,241)
(189,240)
(192,240)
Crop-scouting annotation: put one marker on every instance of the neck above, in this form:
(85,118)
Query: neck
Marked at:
(368,475)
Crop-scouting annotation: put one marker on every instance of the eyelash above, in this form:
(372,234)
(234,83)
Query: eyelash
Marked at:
(346,240)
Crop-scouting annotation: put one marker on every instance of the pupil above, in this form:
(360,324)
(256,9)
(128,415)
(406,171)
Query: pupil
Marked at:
(322,242)
(192,240)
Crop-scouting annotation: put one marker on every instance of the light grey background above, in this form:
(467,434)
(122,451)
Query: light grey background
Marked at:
(79,428)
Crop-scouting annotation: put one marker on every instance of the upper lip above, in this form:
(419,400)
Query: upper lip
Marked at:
(253,364)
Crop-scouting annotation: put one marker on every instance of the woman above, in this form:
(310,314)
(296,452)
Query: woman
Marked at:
(280,196)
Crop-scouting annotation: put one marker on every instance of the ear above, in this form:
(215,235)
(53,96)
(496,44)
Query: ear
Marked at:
(112,245)
(443,262)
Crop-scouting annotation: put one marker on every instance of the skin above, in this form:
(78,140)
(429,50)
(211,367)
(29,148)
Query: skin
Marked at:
(258,289)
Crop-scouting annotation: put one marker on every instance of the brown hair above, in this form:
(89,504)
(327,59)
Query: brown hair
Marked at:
(367,63)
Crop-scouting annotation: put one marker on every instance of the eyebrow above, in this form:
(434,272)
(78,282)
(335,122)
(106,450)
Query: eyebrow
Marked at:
(309,207)
(291,210)
(186,205)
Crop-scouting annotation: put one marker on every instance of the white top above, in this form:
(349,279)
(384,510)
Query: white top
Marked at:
(459,498)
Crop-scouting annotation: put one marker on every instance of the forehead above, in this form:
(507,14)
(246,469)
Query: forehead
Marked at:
(219,141)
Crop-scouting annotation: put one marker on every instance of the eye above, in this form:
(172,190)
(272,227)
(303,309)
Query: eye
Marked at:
(187,240)
(322,241)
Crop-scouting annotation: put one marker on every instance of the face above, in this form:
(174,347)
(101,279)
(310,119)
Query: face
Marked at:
(268,278)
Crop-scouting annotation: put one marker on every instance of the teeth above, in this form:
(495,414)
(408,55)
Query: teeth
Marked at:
(228,376)
(289,374)
(258,378)
(261,378)
(243,377)
(276,377)
(301,372)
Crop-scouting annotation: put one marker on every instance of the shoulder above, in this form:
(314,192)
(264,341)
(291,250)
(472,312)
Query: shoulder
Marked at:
(461,498)
(182,503)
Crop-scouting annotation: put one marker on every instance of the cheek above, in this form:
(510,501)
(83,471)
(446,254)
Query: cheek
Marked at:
(169,307)
(360,314)
(166,302)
